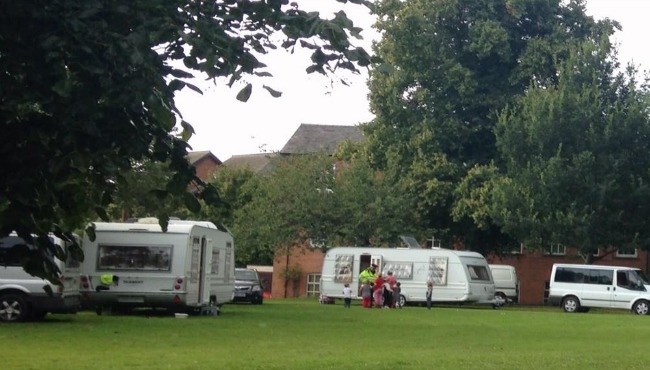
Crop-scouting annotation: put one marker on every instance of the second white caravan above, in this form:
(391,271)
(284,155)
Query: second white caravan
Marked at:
(189,267)
(457,276)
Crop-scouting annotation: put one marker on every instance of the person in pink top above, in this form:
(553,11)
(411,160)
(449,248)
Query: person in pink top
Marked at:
(391,279)
(378,292)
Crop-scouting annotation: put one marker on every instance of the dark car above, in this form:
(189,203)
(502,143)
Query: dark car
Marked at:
(248,286)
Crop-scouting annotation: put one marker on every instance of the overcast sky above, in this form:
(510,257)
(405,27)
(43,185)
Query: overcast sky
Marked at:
(229,127)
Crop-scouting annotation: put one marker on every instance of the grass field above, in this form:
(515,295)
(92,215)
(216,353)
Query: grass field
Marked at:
(301,334)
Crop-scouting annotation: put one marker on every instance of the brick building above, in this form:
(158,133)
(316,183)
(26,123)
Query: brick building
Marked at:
(204,162)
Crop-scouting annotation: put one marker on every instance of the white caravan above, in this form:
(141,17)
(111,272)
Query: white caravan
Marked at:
(190,267)
(457,276)
(23,296)
(578,287)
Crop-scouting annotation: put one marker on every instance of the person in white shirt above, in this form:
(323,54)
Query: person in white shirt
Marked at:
(347,296)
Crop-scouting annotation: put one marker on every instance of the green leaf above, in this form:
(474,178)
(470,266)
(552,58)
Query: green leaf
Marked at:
(245,93)
(90,231)
(274,93)
(191,202)
(101,212)
(188,130)
(76,252)
(193,88)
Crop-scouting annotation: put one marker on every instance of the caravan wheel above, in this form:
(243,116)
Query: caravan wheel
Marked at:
(402,301)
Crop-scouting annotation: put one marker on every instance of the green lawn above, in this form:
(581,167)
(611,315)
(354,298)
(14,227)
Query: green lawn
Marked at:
(301,334)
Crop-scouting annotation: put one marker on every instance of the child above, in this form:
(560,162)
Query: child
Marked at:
(366,294)
(387,295)
(347,295)
(429,294)
(397,291)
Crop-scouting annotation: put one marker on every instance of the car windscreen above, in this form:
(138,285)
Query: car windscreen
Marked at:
(249,275)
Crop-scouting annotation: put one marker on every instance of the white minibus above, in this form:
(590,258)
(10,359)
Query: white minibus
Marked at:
(579,287)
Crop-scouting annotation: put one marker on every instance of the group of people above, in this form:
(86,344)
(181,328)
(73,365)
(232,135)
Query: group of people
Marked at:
(379,290)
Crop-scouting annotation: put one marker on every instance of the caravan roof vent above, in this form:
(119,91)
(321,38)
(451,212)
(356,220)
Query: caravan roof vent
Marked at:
(409,242)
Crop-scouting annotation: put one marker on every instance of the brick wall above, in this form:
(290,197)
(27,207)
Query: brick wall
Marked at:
(205,168)
(309,260)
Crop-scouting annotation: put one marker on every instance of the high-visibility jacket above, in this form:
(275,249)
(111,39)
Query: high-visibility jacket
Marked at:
(367,276)
(106,279)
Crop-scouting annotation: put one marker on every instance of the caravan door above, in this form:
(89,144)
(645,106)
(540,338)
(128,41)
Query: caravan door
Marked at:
(376,260)
(196,285)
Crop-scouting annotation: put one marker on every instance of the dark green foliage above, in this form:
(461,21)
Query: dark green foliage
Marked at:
(87,90)
(454,65)
(577,159)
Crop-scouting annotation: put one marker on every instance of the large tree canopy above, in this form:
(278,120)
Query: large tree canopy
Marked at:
(577,160)
(450,67)
(87,88)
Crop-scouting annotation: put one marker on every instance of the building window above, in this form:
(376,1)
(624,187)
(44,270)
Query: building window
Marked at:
(626,252)
(556,250)
(313,285)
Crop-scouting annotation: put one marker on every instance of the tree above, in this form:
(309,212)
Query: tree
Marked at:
(142,194)
(449,68)
(293,205)
(236,187)
(577,159)
(87,89)
(314,199)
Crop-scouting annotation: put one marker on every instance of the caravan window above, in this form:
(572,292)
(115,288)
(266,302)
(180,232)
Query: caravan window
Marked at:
(401,270)
(131,257)
(478,272)
(343,268)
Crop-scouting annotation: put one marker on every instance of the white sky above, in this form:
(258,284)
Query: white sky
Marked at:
(229,127)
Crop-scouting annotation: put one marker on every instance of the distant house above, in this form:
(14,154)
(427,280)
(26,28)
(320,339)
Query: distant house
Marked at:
(204,162)
(259,163)
(320,138)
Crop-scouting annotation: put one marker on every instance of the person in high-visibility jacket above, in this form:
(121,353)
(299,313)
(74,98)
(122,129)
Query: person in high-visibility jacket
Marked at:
(368,275)
(106,281)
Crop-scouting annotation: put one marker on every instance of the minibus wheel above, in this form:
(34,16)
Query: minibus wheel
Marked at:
(571,304)
(641,307)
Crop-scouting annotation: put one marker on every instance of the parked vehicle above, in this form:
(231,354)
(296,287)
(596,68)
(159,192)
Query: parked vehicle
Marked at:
(248,286)
(188,268)
(457,276)
(506,284)
(23,296)
(579,287)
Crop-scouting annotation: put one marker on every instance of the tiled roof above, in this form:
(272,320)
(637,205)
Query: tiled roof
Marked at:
(194,157)
(320,138)
(258,163)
